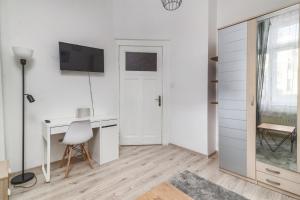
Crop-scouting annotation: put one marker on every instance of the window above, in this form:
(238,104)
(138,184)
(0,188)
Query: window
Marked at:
(281,72)
(140,61)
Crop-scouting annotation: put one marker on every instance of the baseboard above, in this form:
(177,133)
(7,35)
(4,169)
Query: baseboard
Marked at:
(238,176)
(213,154)
(186,149)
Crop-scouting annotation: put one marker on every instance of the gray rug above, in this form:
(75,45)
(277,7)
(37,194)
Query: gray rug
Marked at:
(200,189)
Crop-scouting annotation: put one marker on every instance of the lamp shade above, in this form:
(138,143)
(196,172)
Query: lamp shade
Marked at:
(171,4)
(22,53)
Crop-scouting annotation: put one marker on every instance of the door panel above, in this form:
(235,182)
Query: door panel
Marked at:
(140,88)
(131,100)
(152,123)
(232,98)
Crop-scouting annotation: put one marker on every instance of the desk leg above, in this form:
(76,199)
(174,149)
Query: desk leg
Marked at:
(46,156)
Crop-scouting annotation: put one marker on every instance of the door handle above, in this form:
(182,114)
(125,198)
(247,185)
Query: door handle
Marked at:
(272,171)
(159,100)
(272,182)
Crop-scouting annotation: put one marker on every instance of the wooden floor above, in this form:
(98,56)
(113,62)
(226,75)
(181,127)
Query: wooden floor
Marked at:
(137,171)
(164,191)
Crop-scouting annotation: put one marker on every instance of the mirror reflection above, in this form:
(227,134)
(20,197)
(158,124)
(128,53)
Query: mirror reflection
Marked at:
(277,87)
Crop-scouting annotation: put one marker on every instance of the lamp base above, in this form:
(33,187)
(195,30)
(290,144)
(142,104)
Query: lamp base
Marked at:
(22,178)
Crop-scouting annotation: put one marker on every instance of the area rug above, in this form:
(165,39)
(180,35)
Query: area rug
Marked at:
(200,189)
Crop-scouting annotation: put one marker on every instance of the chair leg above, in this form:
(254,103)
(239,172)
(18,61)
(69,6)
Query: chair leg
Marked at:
(292,141)
(69,160)
(83,152)
(63,158)
(88,156)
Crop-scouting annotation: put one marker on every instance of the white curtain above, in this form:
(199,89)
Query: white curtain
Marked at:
(279,95)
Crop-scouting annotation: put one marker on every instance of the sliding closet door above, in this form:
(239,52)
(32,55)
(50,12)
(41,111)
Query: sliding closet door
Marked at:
(232,75)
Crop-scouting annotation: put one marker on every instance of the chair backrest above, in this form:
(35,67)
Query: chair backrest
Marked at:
(79,132)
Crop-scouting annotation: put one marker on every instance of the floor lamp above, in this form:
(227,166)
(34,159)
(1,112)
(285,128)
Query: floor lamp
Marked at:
(23,54)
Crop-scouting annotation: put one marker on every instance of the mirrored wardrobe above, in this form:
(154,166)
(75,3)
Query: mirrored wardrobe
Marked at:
(258,99)
(277,88)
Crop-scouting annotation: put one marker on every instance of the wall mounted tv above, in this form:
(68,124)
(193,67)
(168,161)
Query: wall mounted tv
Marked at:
(80,58)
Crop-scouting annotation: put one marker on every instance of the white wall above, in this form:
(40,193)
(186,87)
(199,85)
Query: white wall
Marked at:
(187,30)
(40,25)
(2,138)
(232,11)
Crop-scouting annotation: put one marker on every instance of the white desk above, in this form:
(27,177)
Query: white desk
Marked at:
(104,147)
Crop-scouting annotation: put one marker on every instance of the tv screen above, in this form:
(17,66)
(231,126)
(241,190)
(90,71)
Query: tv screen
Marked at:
(80,58)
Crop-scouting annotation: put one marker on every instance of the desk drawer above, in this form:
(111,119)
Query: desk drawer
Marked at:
(109,123)
(95,124)
(278,172)
(59,129)
(63,129)
(278,182)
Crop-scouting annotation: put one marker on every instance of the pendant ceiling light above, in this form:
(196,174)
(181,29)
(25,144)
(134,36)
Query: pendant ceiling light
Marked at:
(171,4)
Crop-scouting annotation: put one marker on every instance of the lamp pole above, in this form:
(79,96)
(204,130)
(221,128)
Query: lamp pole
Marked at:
(23,63)
(24,177)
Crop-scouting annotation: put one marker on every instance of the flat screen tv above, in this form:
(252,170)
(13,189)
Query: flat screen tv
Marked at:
(80,58)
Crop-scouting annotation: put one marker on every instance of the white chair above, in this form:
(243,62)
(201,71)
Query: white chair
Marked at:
(77,135)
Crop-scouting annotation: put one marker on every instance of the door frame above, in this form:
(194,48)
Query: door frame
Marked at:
(164,44)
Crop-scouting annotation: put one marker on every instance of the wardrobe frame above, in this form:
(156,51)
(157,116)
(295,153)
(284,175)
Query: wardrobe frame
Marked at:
(251,100)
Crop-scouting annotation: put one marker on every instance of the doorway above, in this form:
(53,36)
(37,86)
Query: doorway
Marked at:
(141,94)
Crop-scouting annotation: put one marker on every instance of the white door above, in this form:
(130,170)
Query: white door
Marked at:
(140,95)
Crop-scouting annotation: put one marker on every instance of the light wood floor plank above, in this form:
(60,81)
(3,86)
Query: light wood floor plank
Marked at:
(163,171)
(79,171)
(164,191)
(109,183)
(139,169)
